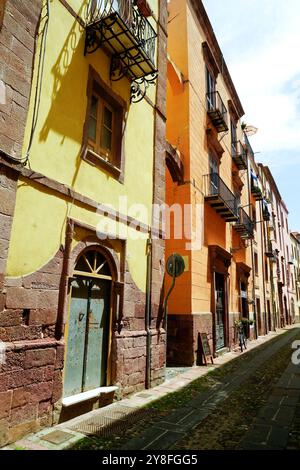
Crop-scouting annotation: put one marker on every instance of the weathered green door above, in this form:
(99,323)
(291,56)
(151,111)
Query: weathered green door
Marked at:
(87,348)
(97,337)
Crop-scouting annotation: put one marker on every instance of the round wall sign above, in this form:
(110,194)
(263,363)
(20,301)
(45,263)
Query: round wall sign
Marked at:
(175,265)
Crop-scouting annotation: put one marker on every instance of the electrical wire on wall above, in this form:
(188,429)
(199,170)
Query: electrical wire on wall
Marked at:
(39,81)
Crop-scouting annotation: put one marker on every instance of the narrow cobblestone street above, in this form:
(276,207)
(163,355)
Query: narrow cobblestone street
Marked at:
(251,403)
(247,400)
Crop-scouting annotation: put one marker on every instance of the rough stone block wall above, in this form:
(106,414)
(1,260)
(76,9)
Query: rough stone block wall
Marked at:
(183,344)
(31,377)
(30,384)
(8,183)
(17,44)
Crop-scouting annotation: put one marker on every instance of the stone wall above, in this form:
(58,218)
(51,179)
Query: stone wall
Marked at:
(18,24)
(183,344)
(31,377)
(8,183)
(17,45)
(30,384)
(130,352)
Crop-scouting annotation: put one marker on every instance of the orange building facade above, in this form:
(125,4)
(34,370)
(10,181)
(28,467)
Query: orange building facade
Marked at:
(208,177)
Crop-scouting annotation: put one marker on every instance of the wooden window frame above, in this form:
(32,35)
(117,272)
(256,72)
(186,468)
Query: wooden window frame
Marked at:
(213,156)
(113,165)
(233,130)
(102,151)
(210,80)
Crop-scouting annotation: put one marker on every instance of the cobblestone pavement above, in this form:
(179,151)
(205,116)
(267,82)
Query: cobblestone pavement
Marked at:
(271,428)
(277,425)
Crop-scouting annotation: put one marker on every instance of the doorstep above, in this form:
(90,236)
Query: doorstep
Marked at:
(89,395)
(63,436)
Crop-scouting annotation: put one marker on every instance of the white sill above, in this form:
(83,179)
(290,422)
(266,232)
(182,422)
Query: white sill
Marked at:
(84,396)
(100,159)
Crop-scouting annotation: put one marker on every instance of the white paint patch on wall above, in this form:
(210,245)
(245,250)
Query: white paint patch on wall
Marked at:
(2,92)
(2,353)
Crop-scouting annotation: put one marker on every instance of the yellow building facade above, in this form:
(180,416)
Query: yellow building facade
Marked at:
(84,266)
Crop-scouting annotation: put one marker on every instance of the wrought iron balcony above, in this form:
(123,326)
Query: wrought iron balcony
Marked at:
(217,111)
(248,146)
(219,196)
(270,252)
(239,155)
(120,28)
(244,225)
(256,191)
(265,212)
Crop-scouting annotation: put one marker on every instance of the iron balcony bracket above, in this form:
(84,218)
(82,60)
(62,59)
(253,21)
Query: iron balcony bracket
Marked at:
(139,86)
(94,38)
(129,39)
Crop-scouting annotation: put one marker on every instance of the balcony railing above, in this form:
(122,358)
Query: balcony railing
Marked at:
(248,146)
(239,155)
(220,197)
(244,225)
(266,214)
(217,111)
(119,27)
(270,252)
(255,189)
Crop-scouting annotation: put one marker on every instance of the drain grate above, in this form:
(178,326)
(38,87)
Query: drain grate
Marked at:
(114,420)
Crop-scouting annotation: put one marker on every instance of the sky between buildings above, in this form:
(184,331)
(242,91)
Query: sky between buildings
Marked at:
(260,41)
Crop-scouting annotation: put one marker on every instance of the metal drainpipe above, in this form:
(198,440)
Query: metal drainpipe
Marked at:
(252,256)
(148,313)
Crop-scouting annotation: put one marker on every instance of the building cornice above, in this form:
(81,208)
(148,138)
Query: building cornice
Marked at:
(273,184)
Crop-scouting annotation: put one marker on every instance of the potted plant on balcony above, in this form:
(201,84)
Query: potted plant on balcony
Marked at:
(256,191)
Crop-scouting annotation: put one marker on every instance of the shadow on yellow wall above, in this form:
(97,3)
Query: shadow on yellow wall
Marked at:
(67,112)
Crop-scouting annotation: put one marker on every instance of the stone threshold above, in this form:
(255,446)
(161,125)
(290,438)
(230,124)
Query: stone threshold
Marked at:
(85,396)
(63,436)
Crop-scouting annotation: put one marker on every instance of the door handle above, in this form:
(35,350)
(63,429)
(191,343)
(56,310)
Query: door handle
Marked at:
(80,316)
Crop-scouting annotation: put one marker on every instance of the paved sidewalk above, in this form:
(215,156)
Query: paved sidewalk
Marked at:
(167,432)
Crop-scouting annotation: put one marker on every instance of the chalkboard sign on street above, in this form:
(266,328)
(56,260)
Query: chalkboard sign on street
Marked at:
(204,347)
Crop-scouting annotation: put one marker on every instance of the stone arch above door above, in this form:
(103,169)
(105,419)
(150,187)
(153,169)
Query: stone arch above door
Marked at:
(105,248)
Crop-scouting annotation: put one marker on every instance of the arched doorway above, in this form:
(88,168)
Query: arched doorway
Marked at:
(88,327)
(244,306)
